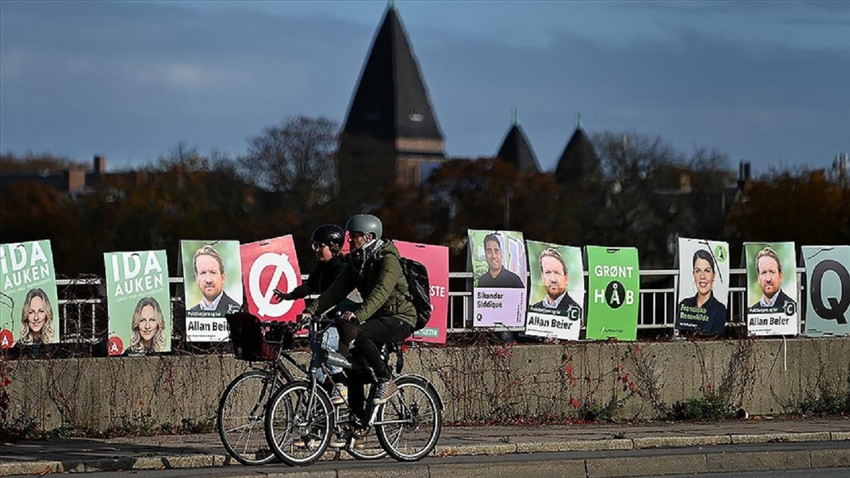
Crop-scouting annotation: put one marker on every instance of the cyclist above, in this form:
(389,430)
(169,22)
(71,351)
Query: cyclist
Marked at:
(386,314)
(327,245)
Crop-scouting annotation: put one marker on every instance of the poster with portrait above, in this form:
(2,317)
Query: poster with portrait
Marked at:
(703,286)
(212,281)
(613,289)
(138,298)
(556,292)
(29,306)
(771,288)
(436,260)
(267,265)
(828,287)
(498,265)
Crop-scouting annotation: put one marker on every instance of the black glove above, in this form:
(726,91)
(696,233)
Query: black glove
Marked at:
(280,295)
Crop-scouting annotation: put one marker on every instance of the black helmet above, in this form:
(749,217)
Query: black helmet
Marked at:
(366,224)
(329,234)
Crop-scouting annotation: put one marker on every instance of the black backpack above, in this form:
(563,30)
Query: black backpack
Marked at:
(420,289)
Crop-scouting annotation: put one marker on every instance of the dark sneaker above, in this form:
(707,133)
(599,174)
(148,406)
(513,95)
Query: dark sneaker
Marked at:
(384,392)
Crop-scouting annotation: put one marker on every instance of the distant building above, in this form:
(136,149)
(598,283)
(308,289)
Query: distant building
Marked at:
(74,180)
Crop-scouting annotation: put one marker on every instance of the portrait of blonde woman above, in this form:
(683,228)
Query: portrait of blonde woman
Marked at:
(36,319)
(147,329)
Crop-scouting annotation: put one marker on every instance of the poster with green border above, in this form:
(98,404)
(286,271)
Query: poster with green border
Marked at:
(613,287)
(29,311)
(771,288)
(556,291)
(139,302)
(828,288)
(222,288)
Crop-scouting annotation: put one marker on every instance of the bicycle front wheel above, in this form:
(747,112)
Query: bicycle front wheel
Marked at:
(241,416)
(298,431)
(409,424)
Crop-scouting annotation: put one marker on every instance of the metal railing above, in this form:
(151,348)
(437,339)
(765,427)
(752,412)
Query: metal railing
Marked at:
(82,305)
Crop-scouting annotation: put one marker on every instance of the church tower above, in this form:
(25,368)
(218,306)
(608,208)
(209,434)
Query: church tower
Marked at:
(391,135)
(516,149)
(578,162)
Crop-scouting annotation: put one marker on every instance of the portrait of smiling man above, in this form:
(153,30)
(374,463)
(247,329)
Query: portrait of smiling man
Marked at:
(555,275)
(210,277)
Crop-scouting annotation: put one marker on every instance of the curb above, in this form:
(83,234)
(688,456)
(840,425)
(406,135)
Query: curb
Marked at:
(592,467)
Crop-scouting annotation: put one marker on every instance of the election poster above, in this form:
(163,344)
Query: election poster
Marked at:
(436,260)
(771,288)
(556,293)
(828,286)
(703,286)
(268,265)
(139,302)
(212,280)
(29,309)
(613,292)
(499,270)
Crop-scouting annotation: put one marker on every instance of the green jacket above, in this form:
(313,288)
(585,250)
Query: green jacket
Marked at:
(381,284)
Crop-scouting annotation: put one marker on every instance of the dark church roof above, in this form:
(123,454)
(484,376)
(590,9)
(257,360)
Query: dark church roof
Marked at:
(517,150)
(391,100)
(578,162)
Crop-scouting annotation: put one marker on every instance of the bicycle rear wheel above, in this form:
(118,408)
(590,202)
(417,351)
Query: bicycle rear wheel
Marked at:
(241,416)
(409,424)
(297,433)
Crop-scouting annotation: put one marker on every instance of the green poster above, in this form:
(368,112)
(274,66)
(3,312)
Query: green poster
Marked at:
(29,309)
(828,290)
(613,292)
(139,302)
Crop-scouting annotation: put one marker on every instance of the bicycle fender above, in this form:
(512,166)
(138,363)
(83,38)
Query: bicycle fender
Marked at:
(427,383)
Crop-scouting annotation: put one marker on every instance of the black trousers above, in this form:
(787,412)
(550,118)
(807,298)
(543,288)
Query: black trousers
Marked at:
(368,338)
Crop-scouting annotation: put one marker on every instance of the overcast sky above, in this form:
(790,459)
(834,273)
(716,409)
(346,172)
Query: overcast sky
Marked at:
(767,82)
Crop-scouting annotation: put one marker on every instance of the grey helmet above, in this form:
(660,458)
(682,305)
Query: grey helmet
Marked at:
(366,224)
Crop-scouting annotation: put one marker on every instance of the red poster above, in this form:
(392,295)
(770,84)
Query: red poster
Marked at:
(436,260)
(267,265)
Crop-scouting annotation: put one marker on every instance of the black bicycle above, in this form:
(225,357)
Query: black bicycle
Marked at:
(242,408)
(300,419)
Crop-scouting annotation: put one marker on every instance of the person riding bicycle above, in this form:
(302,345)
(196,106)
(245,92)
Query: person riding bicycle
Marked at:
(330,263)
(386,314)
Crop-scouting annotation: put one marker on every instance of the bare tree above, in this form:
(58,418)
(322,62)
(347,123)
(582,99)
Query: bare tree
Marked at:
(295,159)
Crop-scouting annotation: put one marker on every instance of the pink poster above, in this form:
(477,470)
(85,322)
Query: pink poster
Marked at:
(267,265)
(436,260)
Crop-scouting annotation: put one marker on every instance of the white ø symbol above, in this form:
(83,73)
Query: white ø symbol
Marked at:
(263,298)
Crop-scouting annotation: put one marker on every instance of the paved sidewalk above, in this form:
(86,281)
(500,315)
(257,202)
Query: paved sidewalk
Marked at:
(198,451)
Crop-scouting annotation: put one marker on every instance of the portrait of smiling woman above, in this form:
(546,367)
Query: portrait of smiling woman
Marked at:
(36,319)
(703,308)
(147,328)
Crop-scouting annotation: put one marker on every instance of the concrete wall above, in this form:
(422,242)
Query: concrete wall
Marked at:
(636,380)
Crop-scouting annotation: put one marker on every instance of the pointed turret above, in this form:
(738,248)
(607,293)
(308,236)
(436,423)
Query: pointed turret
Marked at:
(516,149)
(390,128)
(578,162)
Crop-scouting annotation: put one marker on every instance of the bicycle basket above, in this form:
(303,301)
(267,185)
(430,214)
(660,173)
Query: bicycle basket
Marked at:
(255,341)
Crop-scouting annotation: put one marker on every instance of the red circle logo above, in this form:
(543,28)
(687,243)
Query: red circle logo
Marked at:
(116,346)
(6,339)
